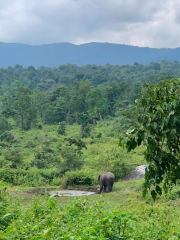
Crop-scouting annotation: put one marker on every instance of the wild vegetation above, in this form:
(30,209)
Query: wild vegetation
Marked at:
(61,127)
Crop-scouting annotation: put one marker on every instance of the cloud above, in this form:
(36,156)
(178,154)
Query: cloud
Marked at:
(135,22)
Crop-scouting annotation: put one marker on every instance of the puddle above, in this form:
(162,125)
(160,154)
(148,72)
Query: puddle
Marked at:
(70,193)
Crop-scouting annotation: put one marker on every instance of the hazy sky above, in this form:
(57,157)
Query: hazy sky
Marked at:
(153,23)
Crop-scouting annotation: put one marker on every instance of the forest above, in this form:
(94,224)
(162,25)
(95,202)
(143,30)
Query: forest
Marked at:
(61,127)
(68,97)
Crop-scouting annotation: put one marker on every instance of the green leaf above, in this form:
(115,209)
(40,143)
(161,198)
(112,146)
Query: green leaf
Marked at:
(131,144)
(177,173)
(159,190)
(6,215)
(153,194)
(121,143)
(130,131)
(144,193)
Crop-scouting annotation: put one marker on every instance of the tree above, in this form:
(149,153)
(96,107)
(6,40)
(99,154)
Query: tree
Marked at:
(60,104)
(60,109)
(72,155)
(158,128)
(41,100)
(96,103)
(24,109)
(7,110)
(78,96)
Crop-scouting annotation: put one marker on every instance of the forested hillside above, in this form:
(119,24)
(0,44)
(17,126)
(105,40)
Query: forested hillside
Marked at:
(57,120)
(32,97)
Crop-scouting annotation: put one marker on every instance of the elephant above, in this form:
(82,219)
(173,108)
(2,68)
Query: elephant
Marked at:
(106,180)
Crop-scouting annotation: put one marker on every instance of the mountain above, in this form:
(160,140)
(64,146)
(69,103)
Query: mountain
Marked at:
(53,55)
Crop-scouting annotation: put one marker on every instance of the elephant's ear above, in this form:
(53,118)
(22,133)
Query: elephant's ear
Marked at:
(99,177)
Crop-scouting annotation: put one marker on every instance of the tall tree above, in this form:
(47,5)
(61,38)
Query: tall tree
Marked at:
(24,109)
(79,92)
(41,101)
(96,104)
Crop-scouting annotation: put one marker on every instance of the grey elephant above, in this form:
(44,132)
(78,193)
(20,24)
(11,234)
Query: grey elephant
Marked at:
(106,180)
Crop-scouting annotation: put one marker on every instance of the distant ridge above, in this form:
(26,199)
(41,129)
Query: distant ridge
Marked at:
(53,55)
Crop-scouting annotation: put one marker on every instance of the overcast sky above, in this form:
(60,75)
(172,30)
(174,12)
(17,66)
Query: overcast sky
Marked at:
(152,23)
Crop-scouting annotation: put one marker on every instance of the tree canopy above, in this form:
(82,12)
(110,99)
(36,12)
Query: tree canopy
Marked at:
(158,128)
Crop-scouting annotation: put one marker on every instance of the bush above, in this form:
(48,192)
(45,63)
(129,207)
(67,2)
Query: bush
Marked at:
(7,136)
(81,177)
(86,130)
(9,209)
(99,135)
(46,159)
(31,177)
(13,154)
(50,174)
(72,160)
(62,128)
(174,194)
(7,175)
(43,218)
(57,181)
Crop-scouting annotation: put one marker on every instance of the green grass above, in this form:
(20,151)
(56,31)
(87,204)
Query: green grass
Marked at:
(155,220)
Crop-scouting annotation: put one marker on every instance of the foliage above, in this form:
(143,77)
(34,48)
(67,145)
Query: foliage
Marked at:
(7,136)
(72,159)
(62,128)
(70,117)
(31,177)
(31,157)
(9,210)
(84,95)
(158,129)
(48,220)
(24,110)
(80,177)
(47,217)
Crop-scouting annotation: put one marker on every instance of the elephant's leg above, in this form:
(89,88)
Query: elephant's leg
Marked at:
(110,189)
(105,187)
(101,188)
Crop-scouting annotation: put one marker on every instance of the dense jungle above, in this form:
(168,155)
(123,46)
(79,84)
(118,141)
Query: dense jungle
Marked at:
(60,128)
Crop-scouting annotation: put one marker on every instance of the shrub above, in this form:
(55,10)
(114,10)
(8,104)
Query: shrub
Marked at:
(174,194)
(9,209)
(99,135)
(46,159)
(57,181)
(7,175)
(62,128)
(81,177)
(13,154)
(31,177)
(50,174)
(43,218)
(7,136)
(72,160)
(86,130)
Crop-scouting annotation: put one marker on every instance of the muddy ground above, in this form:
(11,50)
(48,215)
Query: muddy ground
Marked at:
(83,189)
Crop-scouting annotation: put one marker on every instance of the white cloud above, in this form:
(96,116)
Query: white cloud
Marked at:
(135,22)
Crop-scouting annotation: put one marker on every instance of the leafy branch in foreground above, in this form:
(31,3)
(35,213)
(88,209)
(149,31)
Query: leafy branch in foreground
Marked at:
(158,128)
